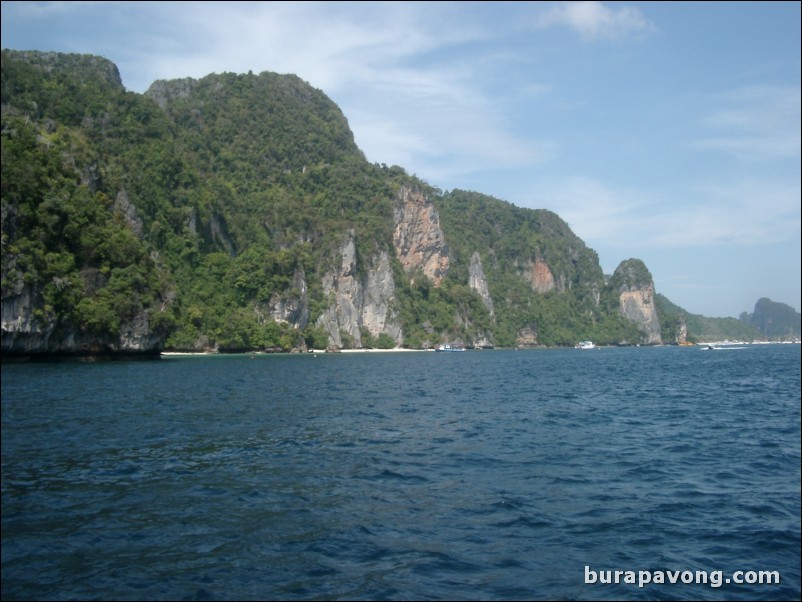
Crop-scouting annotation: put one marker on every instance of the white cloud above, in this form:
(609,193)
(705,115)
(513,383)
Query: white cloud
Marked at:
(594,211)
(332,45)
(438,140)
(756,123)
(411,78)
(708,252)
(738,214)
(378,63)
(744,212)
(467,95)
(593,20)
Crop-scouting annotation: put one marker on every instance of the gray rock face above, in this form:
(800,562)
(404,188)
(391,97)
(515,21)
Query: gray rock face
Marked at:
(638,307)
(682,332)
(636,298)
(478,282)
(527,337)
(363,295)
(378,315)
(23,333)
(418,239)
(359,300)
(129,212)
(292,306)
(162,91)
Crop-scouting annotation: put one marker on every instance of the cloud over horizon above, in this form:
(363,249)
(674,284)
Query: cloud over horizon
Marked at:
(596,21)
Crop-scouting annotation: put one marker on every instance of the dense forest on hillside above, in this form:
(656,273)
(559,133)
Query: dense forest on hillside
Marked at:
(194,211)
(774,320)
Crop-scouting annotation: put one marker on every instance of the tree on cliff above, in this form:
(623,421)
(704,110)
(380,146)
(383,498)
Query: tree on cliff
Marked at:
(205,213)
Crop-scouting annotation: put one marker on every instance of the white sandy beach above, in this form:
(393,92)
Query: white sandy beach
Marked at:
(313,351)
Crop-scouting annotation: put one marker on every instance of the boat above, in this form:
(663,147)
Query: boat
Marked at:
(585,345)
(449,347)
(714,347)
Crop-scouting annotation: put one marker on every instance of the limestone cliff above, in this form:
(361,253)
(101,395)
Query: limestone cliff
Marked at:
(635,286)
(84,69)
(292,306)
(29,330)
(363,295)
(418,239)
(526,337)
(127,209)
(162,92)
(236,212)
(478,282)
(359,300)
(682,332)
(378,314)
(540,276)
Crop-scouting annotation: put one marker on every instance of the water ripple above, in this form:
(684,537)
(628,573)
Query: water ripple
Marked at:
(401,476)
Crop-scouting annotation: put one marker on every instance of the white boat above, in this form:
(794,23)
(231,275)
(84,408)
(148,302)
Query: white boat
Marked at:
(714,347)
(449,347)
(585,345)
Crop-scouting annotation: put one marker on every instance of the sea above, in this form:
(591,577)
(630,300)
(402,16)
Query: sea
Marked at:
(641,473)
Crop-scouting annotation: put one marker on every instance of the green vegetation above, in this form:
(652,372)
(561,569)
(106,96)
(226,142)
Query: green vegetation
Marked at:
(701,329)
(67,240)
(225,193)
(631,274)
(213,208)
(774,320)
(510,240)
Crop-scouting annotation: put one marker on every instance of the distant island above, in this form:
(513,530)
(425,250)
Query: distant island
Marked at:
(235,213)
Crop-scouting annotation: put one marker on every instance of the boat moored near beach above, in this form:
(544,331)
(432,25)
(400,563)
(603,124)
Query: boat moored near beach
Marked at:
(449,347)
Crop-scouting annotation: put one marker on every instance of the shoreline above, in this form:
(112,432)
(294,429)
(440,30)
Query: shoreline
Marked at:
(394,350)
(310,352)
(404,350)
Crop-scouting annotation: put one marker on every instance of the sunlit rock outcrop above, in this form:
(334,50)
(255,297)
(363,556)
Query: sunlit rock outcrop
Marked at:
(359,300)
(478,282)
(540,276)
(418,239)
(636,298)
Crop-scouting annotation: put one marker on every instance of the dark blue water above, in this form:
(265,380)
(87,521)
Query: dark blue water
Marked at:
(479,475)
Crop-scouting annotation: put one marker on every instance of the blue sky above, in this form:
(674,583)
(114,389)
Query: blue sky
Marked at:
(665,131)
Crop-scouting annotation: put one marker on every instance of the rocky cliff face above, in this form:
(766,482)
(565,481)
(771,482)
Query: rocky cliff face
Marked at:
(162,91)
(418,239)
(638,307)
(540,277)
(292,306)
(127,209)
(363,296)
(378,314)
(27,330)
(636,298)
(526,337)
(682,333)
(264,163)
(478,282)
(359,300)
(85,68)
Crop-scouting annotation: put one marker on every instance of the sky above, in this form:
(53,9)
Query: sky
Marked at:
(663,131)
